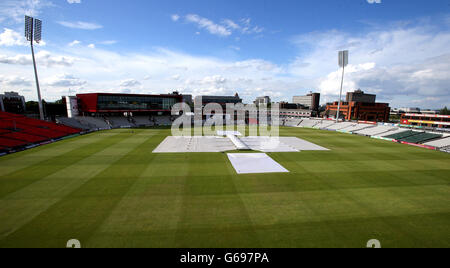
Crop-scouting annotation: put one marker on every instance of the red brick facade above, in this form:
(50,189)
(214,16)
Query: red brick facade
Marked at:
(376,112)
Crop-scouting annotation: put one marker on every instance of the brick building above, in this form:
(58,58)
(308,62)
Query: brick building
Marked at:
(360,106)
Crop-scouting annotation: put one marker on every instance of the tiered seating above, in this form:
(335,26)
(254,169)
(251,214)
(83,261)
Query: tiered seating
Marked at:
(341,125)
(309,123)
(72,122)
(445,142)
(43,132)
(403,135)
(118,122)
(421,138)
(4,115)
(163,120)
(393,132)
(356,127)
(20,131)
(93,122)
(11,143)
(142,121)
(292,122)
(324,124)
(23,137)
(4,131)
(378,130)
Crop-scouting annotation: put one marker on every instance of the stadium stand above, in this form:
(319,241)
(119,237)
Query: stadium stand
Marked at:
(421,138)
(392,132)
(20,131)
(446,149)
(142,121)
(375,131)
(340,126)
(162,120)
(23,137)
(356,127)
(11,143)
(94,122)
(324,124)
(119,122)
(442,143)
(309,123)
(72,122)
(292,122)
(403,135)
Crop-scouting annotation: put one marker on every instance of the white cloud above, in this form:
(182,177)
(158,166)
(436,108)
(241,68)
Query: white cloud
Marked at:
(225,28)
(91,46)
(43,58)
(235,48)
(64,80)
(130,83)
(15,80)
(74,1)
(80,25)
(231,24)
(248,28)
(16,9)
(108,42)
(12,38)
(209,25)
(74,43)
(398,63)
(379,63)
(175,17)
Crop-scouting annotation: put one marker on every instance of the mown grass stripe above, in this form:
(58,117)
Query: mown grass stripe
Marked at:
(223,215)
(13,162)
(80,213)
(339,198)
(22,206)
(21,178)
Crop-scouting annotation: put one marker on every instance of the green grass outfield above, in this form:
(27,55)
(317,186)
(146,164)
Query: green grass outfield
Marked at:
(107,189)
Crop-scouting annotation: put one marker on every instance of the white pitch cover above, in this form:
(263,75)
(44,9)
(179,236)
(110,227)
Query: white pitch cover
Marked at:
(255,164)
(226,133)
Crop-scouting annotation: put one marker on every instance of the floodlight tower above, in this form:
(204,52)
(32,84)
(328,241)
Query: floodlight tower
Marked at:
(33,32)
(343,62)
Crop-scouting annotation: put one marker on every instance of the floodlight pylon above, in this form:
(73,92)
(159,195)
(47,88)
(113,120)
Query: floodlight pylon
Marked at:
(33,31)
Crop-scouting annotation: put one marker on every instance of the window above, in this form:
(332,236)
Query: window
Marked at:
(111,102)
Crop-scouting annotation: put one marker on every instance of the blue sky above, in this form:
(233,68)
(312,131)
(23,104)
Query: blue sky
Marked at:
(398,49)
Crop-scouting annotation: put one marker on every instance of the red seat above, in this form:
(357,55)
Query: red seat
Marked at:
(18,130)
(6,124)
(9,115)
(4,131)
(23,137)
(10,143)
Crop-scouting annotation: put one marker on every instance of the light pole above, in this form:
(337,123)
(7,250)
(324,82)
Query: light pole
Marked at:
(343,62)
(33,31)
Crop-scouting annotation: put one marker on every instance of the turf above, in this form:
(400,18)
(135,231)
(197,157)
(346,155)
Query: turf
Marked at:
(107,189)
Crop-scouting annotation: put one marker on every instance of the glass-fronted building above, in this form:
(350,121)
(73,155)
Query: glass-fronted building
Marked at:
(122,103)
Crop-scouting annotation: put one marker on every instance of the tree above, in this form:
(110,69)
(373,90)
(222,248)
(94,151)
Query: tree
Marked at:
(445,111)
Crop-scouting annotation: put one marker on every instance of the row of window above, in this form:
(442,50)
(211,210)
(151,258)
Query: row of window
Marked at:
(425,118)
(135,103)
